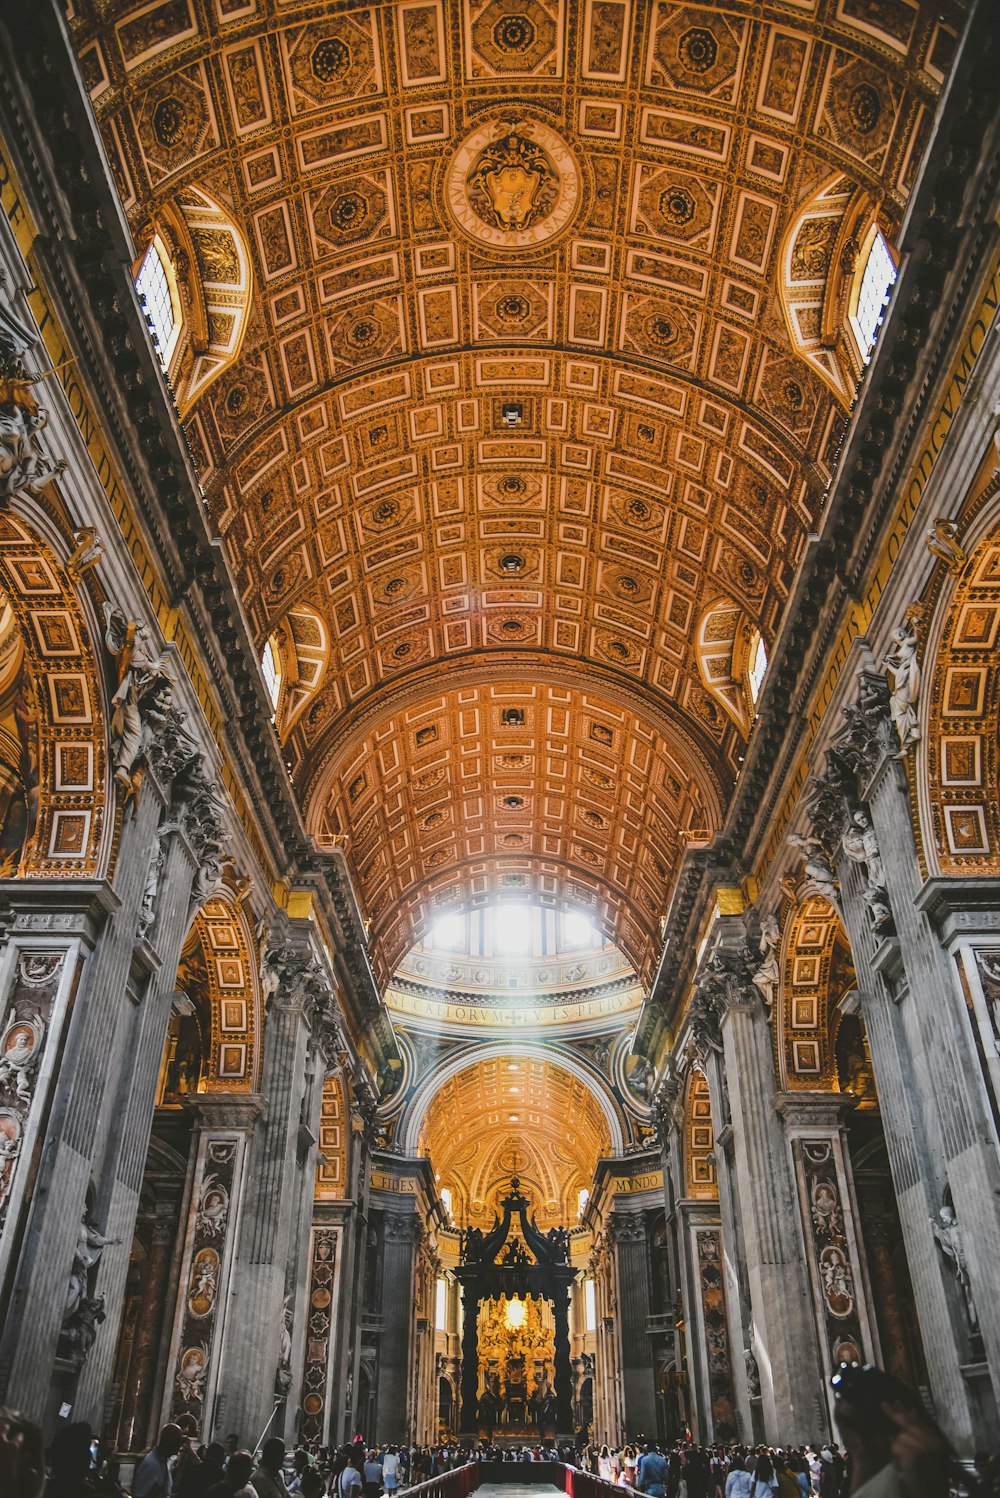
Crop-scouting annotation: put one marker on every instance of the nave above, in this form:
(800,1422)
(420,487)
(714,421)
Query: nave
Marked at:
(499,736)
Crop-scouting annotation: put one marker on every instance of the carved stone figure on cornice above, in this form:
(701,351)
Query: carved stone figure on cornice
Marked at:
(202,821)
(768,975)
(860,843)
(142,697)
(902,665)
(820,878)
(89,551)
(22,466)
(171,750)
(942,541)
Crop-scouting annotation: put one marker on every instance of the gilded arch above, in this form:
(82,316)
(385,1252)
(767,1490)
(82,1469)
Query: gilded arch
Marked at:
(700,1180)
(334,1126)
(962,717)
(67,707)
(233,985)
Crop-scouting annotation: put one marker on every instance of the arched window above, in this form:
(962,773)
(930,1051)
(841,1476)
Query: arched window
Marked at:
(873,280)
(270,668)
(756,668)
(155,284)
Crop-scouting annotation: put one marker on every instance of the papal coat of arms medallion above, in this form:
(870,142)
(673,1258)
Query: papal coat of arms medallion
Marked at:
(513,183)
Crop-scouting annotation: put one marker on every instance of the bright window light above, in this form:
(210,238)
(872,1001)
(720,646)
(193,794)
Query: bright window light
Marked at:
(271,672)
(441,1306)
(445,1195)
(449,931)
(758,665)
(582,1198)
(877,278)
(151,283)
(512,930)
(578,932)
(589,1306)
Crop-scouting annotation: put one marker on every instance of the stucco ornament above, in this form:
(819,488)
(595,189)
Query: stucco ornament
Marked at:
(141,699)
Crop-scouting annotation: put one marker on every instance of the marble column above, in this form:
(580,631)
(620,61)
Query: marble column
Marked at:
(628,1234)
(256,1352)
(845,1325)
(791,1380)
(89,1163)
(403,1231)
(140,1374)
(469,1415)
(223,1127)
(932,1095)
(743,1357)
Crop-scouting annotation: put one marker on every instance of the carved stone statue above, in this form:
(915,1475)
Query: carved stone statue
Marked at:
(141,699)
(90,1244)
(79,1333)
(948,1234)
(283,1376)
(147,907)
(860,843)
(768,975)
(901,663)
(820,878)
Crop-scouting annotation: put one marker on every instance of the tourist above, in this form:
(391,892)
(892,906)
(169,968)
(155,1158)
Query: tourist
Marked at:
(372,1475)
(198,1476)
(350,1483)
(627,1478)
(301,1463)
(268,1481)
(390,1470)
(22,1464)
(652,1472)
(235,1480)
(153,1478)
(764,1480)
(740,1482)
(70,1462)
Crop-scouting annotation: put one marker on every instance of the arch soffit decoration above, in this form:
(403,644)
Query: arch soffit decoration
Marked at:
(960,775)
(504,1052)
(234,997)
(334,1132)
(72,828)
(722,647)
(803,1039)
(701,1181)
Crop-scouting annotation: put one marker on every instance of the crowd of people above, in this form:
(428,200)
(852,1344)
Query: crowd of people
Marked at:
(891,1449)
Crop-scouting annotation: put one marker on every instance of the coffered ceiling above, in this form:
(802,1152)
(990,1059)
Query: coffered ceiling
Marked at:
(510,1114)
(522,353)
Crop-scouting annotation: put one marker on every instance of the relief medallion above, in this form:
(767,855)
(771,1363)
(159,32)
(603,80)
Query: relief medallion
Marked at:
(513,184)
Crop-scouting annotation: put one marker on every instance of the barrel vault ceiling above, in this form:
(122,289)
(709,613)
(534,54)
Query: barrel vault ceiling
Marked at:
(619,217)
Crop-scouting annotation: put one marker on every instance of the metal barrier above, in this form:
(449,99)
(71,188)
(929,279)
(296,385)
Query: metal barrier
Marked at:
(457,1483)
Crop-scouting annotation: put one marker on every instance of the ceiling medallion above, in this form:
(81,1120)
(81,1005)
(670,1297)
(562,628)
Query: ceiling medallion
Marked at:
(513,184)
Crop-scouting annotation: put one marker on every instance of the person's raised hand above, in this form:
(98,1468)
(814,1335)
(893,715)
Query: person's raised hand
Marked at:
(920,1452)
